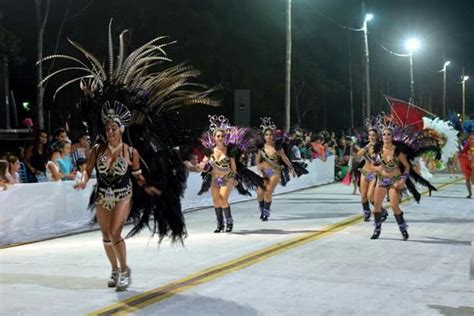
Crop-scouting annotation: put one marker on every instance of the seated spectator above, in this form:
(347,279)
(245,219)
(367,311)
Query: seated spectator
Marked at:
(81,165)
(317,149)
(66,166)
(295,153)
(304,148)
(81,149)
(4,176)
(13,169)
(52,167)
(36,164)
(59,135)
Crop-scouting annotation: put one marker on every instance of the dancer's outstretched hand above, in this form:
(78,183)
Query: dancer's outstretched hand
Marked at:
(80,186)
(400,184)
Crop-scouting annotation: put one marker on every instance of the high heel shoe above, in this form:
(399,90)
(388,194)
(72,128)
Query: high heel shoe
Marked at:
(219,229)
(229,227)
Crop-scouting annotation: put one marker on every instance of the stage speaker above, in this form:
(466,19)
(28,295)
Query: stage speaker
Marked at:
(242,107)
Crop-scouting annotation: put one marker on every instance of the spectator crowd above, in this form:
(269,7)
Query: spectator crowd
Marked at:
(52,158)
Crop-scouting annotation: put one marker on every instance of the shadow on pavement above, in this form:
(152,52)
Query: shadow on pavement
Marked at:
(441,220)
(432,240)
(272,232)
(453,311)
(193,304)
(303,216)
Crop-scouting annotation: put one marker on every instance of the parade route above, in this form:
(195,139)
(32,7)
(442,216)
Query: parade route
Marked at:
(313,256)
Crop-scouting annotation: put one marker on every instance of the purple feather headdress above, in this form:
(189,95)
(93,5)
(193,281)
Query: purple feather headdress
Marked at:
(381,122)
(384,121)
(233,135)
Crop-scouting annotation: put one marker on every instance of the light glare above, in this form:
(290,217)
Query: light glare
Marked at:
(413,44)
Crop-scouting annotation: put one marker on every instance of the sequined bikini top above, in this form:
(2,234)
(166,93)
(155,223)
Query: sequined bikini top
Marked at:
(223,164)
(118,169)
(370,157)
(390,164)
(272,157)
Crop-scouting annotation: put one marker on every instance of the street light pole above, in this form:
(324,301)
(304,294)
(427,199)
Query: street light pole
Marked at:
(412,81)
(446,64)
(288,70)
(367,18)
(412,44)
(464,79)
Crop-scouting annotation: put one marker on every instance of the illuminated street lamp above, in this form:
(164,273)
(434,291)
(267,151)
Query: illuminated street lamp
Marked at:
(464,79)
(446,64)
(368,17)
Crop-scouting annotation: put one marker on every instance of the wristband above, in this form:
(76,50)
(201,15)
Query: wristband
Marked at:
(405,176)
(136,172)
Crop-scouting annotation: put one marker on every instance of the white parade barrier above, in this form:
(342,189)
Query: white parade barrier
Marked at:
(36,211)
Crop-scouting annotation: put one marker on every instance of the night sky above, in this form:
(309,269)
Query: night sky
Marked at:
(241,45)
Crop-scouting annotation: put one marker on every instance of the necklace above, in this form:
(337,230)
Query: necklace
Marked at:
(114,149)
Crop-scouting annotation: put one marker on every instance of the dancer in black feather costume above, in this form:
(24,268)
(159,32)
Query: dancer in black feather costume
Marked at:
(126,107)
(274,166)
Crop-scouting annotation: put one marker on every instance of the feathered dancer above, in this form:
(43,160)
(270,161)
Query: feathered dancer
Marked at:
(398,149)
(128,98)
(273,165)
(466,157)
(226,166)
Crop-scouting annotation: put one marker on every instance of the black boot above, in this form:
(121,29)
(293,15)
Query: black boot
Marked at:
(384,212)
(402,225)
(377,225)
(220,220)
(228,219)
(384,215)
(366,208)
(266,210)
(260,207)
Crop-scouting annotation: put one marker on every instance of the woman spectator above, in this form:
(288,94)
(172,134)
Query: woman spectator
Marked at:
(66,166)
(4,173)
(37,163)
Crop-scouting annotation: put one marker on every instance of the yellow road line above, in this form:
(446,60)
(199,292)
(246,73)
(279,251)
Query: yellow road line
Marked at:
(147,298)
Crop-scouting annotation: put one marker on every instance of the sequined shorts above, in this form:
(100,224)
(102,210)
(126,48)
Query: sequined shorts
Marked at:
(387,182)
(109,197)
(219,181)
(268,172)
(369,176)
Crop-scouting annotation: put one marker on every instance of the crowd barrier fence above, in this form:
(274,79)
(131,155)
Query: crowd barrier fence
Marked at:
(37,211)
